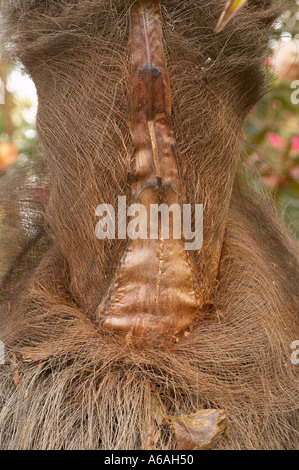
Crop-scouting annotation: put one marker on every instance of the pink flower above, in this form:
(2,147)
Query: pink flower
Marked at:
(295,142)
(295,172)
(275,140)
(268,61)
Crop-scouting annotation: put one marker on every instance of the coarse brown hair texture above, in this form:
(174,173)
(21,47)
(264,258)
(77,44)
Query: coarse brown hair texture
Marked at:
(68,384)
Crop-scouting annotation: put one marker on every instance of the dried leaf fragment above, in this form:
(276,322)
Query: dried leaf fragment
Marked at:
(231,9)
(201,430)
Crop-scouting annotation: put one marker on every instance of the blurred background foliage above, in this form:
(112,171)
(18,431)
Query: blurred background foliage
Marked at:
(272,127)
(271,130)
